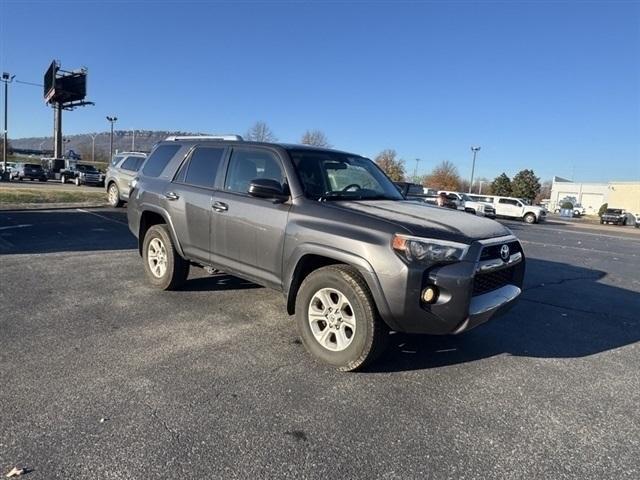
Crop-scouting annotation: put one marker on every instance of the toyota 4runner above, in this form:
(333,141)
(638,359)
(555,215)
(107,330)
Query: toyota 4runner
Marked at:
(353,258)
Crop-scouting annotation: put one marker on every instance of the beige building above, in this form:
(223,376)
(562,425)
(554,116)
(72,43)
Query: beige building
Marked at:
(592,195)
(625,195)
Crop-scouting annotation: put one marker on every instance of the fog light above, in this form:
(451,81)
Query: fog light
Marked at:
(430,294)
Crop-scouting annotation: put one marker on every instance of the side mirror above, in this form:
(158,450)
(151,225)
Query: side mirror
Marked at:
(268,188)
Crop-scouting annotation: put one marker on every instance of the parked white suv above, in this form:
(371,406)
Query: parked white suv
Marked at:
(470,205)
(511,207)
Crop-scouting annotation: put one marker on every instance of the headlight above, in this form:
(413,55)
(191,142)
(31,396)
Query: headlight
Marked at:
(428,250)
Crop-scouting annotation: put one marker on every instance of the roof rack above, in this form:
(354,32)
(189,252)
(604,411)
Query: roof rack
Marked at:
(176,138)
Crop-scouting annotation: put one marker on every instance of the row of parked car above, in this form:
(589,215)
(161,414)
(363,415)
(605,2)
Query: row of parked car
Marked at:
(483,205)
(63,170)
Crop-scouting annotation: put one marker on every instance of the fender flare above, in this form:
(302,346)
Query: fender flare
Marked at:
(341,256)
(145,207)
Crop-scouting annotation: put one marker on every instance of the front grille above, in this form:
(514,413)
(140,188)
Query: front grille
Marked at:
(493,251)
(487,282)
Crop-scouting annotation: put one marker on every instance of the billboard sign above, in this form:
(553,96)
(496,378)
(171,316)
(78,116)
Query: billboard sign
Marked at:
(50,81)
(70,88)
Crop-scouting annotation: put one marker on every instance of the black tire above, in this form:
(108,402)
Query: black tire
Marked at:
(371,333)
(601,222)
(624,222)
(114,197)
(177,268)
(529,218)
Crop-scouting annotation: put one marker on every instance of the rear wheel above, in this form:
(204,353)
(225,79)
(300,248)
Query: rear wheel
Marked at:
(338,320)
(164,267)
(530,218)
(113,196)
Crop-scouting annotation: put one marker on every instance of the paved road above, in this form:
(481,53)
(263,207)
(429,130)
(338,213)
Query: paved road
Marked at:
(212,382)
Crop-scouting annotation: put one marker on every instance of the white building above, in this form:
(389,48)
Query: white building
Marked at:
(590,195)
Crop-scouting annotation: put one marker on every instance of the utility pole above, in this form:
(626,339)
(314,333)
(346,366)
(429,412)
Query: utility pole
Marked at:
(480,182)
(415,171)
(473,166)
(7,79)
(133,141)
(111,120)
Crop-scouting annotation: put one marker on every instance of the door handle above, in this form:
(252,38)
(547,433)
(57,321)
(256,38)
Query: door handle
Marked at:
(171,196)
(220,207)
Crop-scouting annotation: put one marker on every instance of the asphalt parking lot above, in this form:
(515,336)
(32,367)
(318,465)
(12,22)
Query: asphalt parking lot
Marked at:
(103,377)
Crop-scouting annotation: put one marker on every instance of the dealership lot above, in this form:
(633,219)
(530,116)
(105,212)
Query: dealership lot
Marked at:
(104,377)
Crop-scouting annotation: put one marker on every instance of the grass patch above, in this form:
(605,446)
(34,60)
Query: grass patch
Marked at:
(25,195)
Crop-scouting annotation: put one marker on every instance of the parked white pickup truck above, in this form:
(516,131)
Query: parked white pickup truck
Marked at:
(470,205)
(511,207)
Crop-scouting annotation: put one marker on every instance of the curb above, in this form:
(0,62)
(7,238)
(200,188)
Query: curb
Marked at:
(18,207)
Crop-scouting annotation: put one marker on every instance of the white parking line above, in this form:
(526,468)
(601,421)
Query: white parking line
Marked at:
(101,216)
(606,252)
(16,226)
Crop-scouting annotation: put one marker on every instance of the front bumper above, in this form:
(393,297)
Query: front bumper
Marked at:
(471,292)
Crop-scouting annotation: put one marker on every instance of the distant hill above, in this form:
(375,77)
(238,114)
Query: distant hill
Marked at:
(144,141)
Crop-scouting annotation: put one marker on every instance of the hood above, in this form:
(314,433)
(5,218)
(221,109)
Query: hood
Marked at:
(424,220)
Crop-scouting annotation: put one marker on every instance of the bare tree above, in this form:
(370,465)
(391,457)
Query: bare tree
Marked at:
(392,166)
(443,177)
(260,132)
(316,138)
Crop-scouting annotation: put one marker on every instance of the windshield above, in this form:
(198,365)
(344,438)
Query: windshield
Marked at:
(615,211)
(87,168)
(338,176)
(466,197)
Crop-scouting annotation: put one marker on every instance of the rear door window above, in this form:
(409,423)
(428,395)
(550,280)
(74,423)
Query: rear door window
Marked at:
(202,166)
(131,163)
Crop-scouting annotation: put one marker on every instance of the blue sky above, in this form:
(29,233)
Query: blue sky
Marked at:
(553,86)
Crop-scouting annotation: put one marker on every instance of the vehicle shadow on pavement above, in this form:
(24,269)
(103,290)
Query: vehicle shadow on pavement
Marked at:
(564,312)
(216,283)
(51,231)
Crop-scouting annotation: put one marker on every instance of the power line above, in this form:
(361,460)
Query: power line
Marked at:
(30,83)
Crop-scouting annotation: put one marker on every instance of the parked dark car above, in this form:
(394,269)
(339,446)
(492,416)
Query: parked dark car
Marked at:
(29,171)
(83,174)
(617,216)
(353,258)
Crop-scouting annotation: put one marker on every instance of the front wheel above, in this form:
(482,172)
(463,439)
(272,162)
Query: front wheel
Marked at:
(338,320)
(530,218)
(113,195)
(164,266)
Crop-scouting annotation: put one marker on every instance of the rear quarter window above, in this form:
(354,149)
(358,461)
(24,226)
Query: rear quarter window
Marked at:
(159,159)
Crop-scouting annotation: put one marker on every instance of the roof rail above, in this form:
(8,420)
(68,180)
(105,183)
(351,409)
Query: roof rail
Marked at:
(175,138)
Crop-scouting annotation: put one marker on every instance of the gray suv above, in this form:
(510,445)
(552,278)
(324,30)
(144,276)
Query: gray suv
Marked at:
(329,230)
(122,169)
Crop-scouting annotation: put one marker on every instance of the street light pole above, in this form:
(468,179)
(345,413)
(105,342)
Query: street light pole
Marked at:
(133,141)
(7,79)
(93,147)
(480,182)
(473,166)
(111,120)
(415,171)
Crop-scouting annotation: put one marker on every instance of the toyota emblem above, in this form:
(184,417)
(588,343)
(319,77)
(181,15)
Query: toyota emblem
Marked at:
(504,252)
